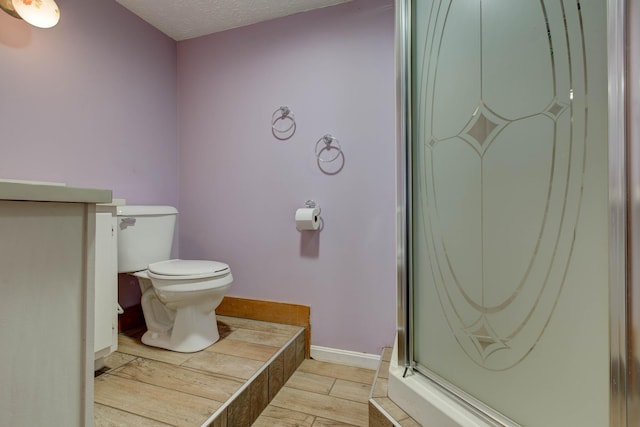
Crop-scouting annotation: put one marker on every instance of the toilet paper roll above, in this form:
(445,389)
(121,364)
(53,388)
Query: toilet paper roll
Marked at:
(307,219)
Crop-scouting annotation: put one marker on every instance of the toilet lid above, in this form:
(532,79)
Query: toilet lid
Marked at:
(181,267)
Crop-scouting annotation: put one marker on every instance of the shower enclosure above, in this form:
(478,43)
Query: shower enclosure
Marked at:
(519,190)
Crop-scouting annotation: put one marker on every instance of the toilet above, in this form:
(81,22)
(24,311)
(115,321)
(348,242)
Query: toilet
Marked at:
(179,297)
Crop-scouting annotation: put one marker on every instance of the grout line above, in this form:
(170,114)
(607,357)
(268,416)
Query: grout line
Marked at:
(335,379)
(248,382)
(349,399)
(133,413)
(329,416)
(333,384)
(188,368)
(128,378)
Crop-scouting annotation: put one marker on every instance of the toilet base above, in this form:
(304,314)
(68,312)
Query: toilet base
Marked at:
(182,341)
(185,329)
(190,344)
(185,321)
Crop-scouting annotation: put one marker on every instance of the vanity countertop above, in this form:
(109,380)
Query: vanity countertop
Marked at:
(52,193)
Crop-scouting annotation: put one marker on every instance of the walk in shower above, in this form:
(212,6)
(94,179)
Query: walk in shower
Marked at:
(516,302)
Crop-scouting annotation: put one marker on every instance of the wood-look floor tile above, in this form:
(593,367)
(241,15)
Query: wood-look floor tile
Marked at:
(380,388)
(311,382)
(320,405)
(159,387)
(117,359)
(383,372)
(409,422)
(290,365)
(239,411)
(386,354)
(358,392)
(223,364)
(376,418)
(220,421)
(244,349)
(224,329)
(157,403)
(257,325)
(324,422)
(273,416)
(343,372)
(180,379)
(392,409)
(134,346)
(105,416)
(259,337)
(300,348)
(259,394)
(276,376)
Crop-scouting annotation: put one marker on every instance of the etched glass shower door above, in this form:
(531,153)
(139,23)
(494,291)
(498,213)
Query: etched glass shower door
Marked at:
(510,205)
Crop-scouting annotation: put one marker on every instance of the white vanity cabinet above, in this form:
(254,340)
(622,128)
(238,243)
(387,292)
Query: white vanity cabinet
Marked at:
(106,284)
(47,238)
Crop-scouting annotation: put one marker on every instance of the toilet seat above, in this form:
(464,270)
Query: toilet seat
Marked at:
(179,269)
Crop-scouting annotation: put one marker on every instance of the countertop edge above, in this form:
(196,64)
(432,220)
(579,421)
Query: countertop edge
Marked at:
(52,193)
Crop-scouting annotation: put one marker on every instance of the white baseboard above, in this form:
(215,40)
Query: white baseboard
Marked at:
(345,357)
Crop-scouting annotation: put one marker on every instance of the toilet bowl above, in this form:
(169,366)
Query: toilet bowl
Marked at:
(179,297)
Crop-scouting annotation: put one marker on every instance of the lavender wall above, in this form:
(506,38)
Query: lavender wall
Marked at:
(240,187)
(90,102)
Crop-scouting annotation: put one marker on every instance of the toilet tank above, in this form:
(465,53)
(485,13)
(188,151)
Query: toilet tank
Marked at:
(145,235)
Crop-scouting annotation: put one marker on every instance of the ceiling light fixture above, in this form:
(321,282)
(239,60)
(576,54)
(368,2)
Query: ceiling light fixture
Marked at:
(39,13)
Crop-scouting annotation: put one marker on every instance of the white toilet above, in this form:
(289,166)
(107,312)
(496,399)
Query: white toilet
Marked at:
(179,297)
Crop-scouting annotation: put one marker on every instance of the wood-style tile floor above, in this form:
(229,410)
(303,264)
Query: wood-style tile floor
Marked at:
(145,386)
(148,386)
(321,394)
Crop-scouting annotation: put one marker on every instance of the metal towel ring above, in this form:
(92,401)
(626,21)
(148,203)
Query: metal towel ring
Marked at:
(283,113)
(328,141)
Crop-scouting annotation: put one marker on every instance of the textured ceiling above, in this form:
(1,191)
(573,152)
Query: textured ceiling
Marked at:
(186,19)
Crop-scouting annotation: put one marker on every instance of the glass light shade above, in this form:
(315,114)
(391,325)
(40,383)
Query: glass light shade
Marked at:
(39,13)
(8,7)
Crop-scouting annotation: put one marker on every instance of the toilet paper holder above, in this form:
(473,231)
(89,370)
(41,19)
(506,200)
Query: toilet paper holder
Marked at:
(308,217)
(312,204)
